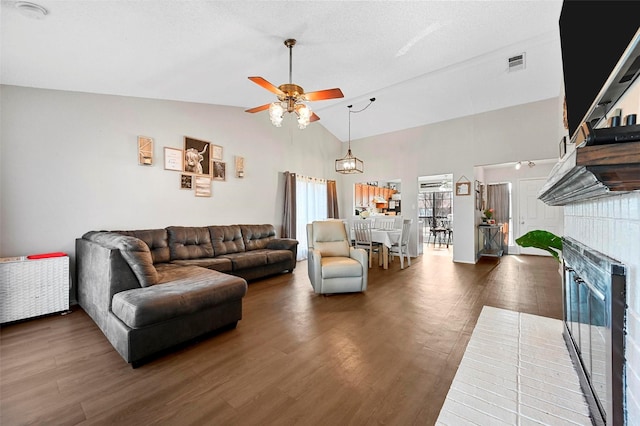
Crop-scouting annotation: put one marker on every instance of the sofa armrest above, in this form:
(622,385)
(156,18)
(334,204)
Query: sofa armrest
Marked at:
(283,244)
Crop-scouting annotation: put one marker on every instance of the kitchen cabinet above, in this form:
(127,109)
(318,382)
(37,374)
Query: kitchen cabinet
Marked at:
(366,194)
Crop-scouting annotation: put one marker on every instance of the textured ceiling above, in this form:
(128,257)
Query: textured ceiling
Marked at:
(424,61)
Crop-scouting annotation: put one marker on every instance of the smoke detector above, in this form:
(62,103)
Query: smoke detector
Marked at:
(516,63)
(31,10)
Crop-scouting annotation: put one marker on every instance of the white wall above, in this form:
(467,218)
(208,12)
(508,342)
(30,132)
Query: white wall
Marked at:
(530,131)
(77,169)
(69,165)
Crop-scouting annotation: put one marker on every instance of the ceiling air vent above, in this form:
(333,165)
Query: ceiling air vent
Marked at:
(516,63)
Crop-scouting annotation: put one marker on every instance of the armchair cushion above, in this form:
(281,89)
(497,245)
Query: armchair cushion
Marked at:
(338,267)
(330,239)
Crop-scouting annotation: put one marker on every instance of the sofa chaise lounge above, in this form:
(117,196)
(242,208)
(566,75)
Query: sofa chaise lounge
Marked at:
(149,290)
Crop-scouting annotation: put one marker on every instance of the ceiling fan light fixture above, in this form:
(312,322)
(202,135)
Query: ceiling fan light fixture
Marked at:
(304,115)
(291,97)
(276,113)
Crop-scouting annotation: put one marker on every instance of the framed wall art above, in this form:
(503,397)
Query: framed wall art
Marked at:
(216,152)
(563,147)
(186,181)
(219,170)
(197,156)
(463,186)
(145,151)
(173,159)
(203,186)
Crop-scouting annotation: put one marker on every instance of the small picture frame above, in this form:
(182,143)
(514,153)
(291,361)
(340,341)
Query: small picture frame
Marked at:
(219,170)
(186,181)
(563,147)
(239,161)
(173,159)
(145,151)
(463,188)
(203,186)
(197,157)
(216,152)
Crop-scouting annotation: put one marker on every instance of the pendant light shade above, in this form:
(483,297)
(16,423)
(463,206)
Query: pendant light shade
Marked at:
(349,164)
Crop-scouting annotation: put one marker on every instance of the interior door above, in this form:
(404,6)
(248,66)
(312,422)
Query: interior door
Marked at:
(534,214)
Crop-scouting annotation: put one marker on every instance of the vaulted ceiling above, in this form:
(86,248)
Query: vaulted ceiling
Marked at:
(424,61)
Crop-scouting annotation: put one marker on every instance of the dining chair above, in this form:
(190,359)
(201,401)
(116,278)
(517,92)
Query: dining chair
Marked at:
(362,239)
(385,223)
(401,248)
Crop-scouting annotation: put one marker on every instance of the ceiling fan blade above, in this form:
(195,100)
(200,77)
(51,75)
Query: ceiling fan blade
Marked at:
(314,117)
(258,109)
(321,95)
(264,83)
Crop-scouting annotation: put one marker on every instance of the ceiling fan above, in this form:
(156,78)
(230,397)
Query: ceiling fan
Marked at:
(291,97)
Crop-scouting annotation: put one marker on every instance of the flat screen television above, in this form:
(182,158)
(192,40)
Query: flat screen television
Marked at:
(593,37)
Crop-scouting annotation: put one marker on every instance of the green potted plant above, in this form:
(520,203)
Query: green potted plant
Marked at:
(544,240)
(488,217)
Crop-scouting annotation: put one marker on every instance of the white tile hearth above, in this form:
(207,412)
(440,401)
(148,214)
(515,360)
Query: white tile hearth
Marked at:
(516,370)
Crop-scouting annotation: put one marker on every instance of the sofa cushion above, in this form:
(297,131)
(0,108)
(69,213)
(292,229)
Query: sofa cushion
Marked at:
(157,241)
(276,256)
(189,242)
(247,259)
(219,264)
(134,251)
(257,237)
(226,239)
(193,289)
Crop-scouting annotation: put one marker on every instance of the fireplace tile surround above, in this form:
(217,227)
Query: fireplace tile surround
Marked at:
(611,225)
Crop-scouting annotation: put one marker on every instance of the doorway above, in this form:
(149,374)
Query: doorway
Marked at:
(535,214)
(435,214)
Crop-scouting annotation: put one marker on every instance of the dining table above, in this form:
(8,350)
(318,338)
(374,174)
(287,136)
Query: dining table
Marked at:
(386,238)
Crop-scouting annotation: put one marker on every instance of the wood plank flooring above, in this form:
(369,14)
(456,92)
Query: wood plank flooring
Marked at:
(386,356)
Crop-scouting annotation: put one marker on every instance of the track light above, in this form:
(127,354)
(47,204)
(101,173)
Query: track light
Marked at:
(531,164)
(518,165)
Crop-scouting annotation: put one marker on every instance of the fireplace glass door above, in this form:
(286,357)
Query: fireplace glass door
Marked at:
(594,293)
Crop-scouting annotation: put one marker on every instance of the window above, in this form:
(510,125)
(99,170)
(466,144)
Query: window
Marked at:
(311,204)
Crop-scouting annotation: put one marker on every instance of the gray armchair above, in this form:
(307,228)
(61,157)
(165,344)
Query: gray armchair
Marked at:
(335,266)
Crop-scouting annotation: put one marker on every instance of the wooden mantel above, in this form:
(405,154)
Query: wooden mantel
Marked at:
(615,165)
(594,171)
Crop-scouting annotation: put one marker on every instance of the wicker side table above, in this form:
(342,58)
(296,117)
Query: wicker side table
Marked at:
(30,288)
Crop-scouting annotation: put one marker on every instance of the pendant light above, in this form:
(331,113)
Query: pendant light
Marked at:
(350,163)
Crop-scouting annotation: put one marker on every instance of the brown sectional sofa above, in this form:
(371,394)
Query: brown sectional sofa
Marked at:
(149,290)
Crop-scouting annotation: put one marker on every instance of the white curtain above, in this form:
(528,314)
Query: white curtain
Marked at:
(311,204)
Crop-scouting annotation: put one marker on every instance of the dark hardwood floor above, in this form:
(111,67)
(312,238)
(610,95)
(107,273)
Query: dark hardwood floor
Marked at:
(384,356)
